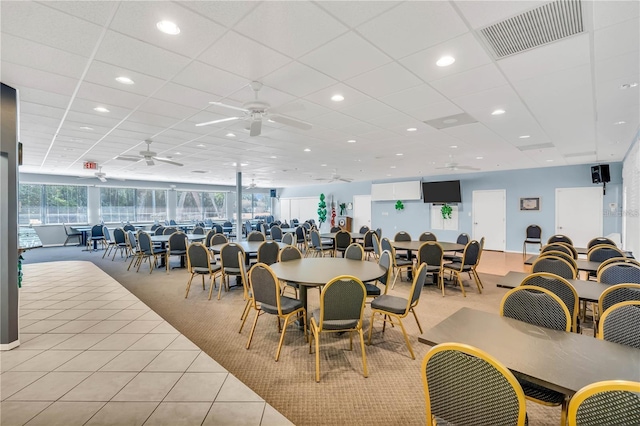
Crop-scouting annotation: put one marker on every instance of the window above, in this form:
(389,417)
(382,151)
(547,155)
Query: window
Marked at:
(254,205)
(196,205)
(117,204)
(151,205)
(50,204)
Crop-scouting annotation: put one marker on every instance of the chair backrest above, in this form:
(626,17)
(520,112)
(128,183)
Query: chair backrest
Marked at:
(229,255)
(558,286)
(264,285)
(335,229)
(555,265)
(342,303)
(130,227)
(276,233)
(419,278)
(144,242)
(386,262)
(158,231)
(428,236)
(132,240)
(609,261)
(268,252)
(219,239)
(621,324)
(612,402)
(385,244)
(559,238)
(368,239)
(170,230)
(603,252)
(153,227)
(289,238)
(96,231)
(198,230)
(379,232)
(618,293)
(458,379)
(306,226)
(301,234)
(105,233)
(197,256)
(618,273)
(256,236)
(363,229)
(463,239)
(534,232)
(537,306)
(217,228)
(431,253)
(118,236)
(402,236)
(315,239)
(207,239)
(172,222)
(600,240)
(178,241)
(263,228)
(561,255)
(243,275)
(558,247)
(354,252)
(376,244)
(289,253)
(342,240)
(471,253)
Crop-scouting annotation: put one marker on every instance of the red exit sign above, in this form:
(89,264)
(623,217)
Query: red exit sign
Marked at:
(90,165)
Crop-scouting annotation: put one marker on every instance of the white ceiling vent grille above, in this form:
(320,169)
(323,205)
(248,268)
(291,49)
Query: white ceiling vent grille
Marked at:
(539,26)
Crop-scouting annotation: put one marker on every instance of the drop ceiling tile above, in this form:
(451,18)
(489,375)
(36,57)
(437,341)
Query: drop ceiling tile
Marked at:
(481,13)
(167,109)
(182,95)
(617,39)
(292,28)
(99,94)
(368,110)
(616,67)
(354,13)
(200,76)
(243,56)
(226,13)
(413,98)
(359,128)
(97,12)
(605,15)
(41,110)
(333,120)
(351,97)
(105,74)
(435,110)
(304,110)
(298,79)
(42,97)
(21,77)
(385,80)
(345,57)
(413,26)
(468,82)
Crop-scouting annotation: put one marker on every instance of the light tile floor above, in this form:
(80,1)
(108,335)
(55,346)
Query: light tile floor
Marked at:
(91,353)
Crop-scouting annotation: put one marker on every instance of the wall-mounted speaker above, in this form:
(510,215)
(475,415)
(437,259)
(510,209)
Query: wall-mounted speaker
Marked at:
(600,174)
(273,193)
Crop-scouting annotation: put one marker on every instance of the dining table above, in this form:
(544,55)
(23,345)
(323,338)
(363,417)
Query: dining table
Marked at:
(164,239)
(559,360)
(410,246)
(249,247)
(332,235)
(84,232)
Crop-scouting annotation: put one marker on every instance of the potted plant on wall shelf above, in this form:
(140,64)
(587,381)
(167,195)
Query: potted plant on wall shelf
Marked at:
(446,211)
(399,206)
(322,210)
(343,208)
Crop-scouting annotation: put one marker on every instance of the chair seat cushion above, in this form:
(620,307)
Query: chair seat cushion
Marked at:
(403,262)
(541,393)
(393,304)
(456,266)
(335,324)
(232,271)
(287,305)
(324,247)
(372,290)
(205,271)
(452,257)
(177,252)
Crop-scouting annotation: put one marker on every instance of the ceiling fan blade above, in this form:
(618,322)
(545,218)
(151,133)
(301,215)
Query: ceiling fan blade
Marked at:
(220,104)
(149,161)
(222,120)
(167,160)
(256,128)
(128,157)
(345,179)
(102,178)
(467,168)
(283,119)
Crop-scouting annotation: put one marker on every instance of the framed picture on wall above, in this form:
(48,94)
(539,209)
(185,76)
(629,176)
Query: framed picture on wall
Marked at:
(530,204)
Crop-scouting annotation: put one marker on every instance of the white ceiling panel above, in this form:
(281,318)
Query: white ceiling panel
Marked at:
(167,109)
(617,39)
(483,13)
(387,79)
(354,13)
(21,76)
(617,67)
(435,110)
(413,26)
(226,13)
(98,94)
(351,97)
(473,81)
(106,74)
(605,15)
(298,79)
(368,110)
(210,79)
(413,98)
(97,12)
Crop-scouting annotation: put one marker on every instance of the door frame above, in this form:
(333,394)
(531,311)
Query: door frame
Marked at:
(504,215)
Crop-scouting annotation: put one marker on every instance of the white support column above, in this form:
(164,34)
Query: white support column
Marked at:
(239,206)
(93,205)
(172,204)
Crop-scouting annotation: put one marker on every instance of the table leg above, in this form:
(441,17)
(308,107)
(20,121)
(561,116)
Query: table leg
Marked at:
(410,269)
(302,292)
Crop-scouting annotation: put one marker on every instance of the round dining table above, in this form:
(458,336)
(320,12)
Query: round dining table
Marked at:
(415,245)
(317,271)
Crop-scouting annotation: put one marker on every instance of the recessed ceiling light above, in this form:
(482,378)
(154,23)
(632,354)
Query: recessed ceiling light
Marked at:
(231,135)
(273,156)
(549,161)
(388,174)
(307,150)
(399,154)
(498,112)
(101,109)
(200,145)
(524,136)
(351,141)
(244,164)
(86,128)
(411,129)
(617,123)
(177,153)
(337,98)
(479,158)
(453,146)
(628,85)
(68,149)
(168,27)
(124,80)
(323,165)
(392,167)
(445,61)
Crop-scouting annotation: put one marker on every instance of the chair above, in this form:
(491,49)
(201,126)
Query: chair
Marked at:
(217,228)
(463,239)
(466,386)
(218,239)
(132,247)
(618,293)
(289,238)
(147,251)
(268,252)
(626,260)
(342,241)
(555,265)
(199,263)
(176,246)
(96,235)
(172,222)
(368,243)
(317,247)
(256,236)
(468,263)
(603,252)
(559,238)
(276,233)
(341,308)
(618,273)
(392,308)
(372,288)
(71,233)
(354,252)
(376,246)
(600,240)
(198,230)
(119,242)
(533,235)
(561,288)
(399,263)
(108,243)
(612,402)
(129,227)
(169,230)
(247,295)
(402,236)
(286,254)
(431,255)
(335,229)
(158,231)
(267,299)
(301,237)
(363,229)
(229,262)
(621,324)
(562,247)
(428,236)
(561,255)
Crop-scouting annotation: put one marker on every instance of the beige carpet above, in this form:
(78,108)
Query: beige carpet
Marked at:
(391,395)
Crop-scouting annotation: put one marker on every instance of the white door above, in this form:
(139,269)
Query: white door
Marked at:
(489,218)
(361,211)
(579,213)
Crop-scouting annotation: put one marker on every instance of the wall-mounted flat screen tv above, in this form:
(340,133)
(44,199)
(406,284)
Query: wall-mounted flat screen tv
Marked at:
(441,192)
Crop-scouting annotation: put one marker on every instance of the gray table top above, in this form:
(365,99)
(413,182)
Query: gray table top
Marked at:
(583,264)
(587,290)
(250,247)
(165,238)
(415,245)
(320,270)
(559,360)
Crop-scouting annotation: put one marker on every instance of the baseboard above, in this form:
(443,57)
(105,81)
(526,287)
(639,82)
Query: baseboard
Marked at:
(9,346)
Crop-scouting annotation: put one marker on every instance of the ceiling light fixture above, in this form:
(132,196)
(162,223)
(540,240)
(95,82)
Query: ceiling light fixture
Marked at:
(124,80)
(200,145)
(617,123)
(168,27)
(86,128)
(351,141)
(231,135)
(453,146)
(393,167)
(524,136)
(273,156)
(498,112)
(445,61)
(337,98)
(549,161)
(307,150)
(628,85)
(411,129)
(323,165)
(399,154)
(244,164)
(101,109)
(479,158)
(177,153)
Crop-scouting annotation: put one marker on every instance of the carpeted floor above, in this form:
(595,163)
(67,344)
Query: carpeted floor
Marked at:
(391,395)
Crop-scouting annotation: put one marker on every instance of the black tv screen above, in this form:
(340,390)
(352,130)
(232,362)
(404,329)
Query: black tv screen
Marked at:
(441,192)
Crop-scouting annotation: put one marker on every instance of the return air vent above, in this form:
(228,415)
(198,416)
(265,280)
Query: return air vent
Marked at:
(537,27)
(536,146)
(579,154)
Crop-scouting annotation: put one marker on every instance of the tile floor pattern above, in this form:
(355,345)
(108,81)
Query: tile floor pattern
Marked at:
(91,353)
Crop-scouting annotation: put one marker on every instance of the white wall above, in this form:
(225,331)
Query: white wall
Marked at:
(630,211)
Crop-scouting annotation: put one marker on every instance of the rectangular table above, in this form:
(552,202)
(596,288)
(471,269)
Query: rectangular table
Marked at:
(559,360)
(589,291)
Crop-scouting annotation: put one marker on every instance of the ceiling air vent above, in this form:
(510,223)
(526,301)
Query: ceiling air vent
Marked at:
(535,146)
(537,27)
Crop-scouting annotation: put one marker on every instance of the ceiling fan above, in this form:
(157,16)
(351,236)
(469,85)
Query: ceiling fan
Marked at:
(254,111)
(453,166)
(335,177)
(148,156)
(252,185)
(100,175)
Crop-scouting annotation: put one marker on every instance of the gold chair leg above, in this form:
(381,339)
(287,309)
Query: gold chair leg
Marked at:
(255,322)
(188,286)
(284,331)
(461,285)
(406,338)
(417,321)
(364,354)
(373,314)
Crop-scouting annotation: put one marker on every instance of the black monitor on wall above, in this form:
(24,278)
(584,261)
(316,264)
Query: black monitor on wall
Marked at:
(441,192)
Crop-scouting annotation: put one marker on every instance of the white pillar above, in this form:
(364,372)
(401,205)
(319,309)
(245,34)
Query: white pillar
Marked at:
(93,205)
(172,204)
(239,206)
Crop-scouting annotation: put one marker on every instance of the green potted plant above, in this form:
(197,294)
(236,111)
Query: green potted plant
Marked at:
(446,211)
(322,210)
(343,208)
